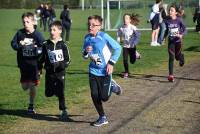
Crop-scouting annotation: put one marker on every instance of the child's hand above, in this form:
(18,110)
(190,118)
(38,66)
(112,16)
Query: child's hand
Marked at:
(40,73)
(22,42)
(89,49)
(180,36)
(109,69)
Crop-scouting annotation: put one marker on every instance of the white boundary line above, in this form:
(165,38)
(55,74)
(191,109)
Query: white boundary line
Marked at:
(149,29)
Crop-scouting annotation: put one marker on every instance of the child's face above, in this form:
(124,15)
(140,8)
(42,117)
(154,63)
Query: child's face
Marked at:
(127,19)
(93,26)
(28,23)
(172,12)
(55,32)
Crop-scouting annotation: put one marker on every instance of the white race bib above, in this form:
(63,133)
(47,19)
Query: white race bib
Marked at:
(174,32)
(56,56)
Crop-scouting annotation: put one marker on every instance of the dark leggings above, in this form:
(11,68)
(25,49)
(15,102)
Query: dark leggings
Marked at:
(132,54)
(100,91)
(174,50)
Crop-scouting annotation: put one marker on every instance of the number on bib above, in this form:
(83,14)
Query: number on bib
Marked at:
(29,51)
(55,56)
(174,32)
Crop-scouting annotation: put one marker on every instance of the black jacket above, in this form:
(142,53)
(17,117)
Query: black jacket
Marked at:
(196,16)
(55,63)
(65,17)
(29,54)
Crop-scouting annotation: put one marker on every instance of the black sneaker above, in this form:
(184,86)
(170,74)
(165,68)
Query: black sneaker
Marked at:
(116,88)
(182,60)
(31,110)
(64,115)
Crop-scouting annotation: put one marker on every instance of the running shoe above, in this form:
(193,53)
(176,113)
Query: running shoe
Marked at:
(171,78)
(31,110)
(101,121)
(64,115)
(124,75)
(116,88)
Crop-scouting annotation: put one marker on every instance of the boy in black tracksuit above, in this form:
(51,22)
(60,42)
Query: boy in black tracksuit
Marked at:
(28,44)
(56,58)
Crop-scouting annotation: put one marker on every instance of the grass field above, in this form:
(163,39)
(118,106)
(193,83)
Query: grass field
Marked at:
(13,101)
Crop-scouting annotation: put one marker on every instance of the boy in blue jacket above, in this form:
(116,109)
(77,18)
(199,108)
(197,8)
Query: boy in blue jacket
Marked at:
(104,52)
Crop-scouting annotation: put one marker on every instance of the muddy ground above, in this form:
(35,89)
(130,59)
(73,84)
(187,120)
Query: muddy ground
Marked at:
(149,105)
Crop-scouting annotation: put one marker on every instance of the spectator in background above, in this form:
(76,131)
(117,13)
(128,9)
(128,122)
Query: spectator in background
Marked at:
(154,19)
(163,17)
(196,18)
(45,16)
(40,11)
(52,15)
(36,19)
(66,22)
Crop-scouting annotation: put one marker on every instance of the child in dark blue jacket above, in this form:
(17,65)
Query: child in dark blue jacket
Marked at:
(28,44)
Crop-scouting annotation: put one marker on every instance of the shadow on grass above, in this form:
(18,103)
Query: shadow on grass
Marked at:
(151,77)
(77,72)
(189,101)
(46,117)
(193,48)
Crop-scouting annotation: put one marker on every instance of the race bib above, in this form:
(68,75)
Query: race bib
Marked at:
(55,56)
(174,32)
(29,51)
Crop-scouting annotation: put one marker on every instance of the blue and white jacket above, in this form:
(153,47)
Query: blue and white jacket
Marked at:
(129,35)
(105,50)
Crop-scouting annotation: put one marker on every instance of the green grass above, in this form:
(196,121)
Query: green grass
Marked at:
(14,100)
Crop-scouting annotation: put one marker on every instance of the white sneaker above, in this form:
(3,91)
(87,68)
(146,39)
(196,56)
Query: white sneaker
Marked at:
(158,44)
(153,44)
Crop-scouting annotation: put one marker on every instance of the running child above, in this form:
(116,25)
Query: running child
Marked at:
(176,30)
(104,52)
(28,44)
(129,34)
(56,59)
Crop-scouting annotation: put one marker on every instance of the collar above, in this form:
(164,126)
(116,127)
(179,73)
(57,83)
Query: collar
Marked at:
(56,41)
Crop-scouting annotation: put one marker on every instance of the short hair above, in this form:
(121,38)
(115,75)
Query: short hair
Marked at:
(96,17)
(158,1)
(65,7)
(57,24)
(28,14)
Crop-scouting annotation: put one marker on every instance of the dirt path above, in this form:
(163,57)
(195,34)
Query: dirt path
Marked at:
(149,105)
